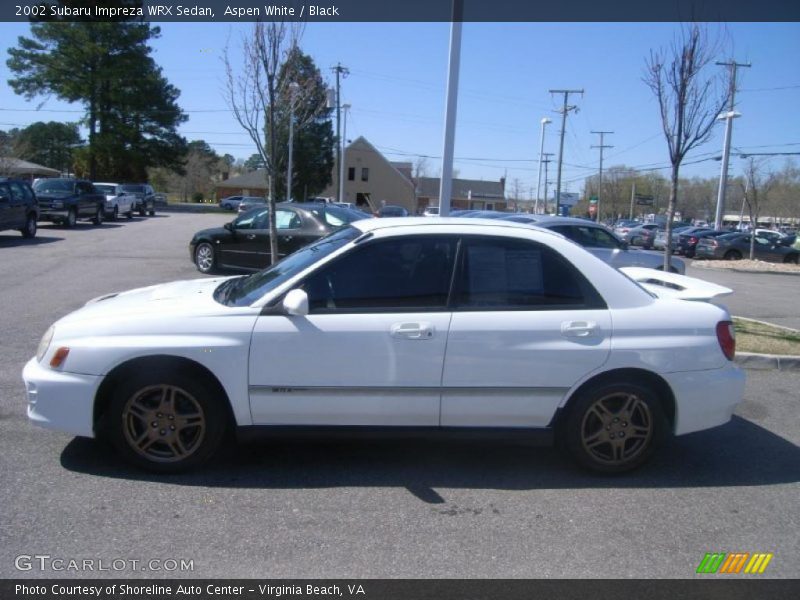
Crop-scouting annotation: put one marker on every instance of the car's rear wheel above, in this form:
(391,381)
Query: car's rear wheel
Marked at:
(98,216)
(29,230)
(204,257)
(614,427)
(733,255)
(142,211)
(129,214)
(115,213)
(152,211)
(166,422)
(792,259)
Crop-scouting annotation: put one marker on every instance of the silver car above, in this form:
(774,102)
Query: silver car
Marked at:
(601,242)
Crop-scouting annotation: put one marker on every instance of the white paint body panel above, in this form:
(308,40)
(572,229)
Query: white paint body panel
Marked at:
(298,363)
(475,369)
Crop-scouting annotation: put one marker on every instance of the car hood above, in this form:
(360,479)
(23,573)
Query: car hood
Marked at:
(211,232)
(53,195)
(163,301)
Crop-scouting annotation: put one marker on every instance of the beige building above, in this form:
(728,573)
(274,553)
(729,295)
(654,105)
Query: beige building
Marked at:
(471,194)
(371,181)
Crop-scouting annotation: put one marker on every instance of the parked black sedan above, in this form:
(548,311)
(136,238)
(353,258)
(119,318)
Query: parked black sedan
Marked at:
(244,242)
(687,242)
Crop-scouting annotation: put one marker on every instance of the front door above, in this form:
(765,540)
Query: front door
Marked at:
(371,350)
(526,327)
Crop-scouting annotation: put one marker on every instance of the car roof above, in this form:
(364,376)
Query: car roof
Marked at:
(460,224)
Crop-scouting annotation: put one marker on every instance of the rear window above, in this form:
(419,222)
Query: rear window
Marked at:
(133,188)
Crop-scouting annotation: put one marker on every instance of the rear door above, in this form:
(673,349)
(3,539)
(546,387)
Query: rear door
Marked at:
(526,326)
(8,212)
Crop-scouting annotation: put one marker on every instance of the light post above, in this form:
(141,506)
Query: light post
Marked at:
(723,176)
(544,121)
(345,108)
(293,87)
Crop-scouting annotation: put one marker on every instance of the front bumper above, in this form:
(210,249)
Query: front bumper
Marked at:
(60,401)
(53,214)
(705,399)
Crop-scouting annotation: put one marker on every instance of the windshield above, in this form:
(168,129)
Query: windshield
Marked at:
(106,189)
(54,185)
(243,291)
(133,188)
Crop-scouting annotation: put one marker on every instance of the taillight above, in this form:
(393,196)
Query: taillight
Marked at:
(693,240)
(726,336)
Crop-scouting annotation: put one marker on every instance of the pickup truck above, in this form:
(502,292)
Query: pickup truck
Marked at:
(64,201)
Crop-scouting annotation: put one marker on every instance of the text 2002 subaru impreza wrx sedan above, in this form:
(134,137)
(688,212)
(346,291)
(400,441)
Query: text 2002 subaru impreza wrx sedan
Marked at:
(454,325)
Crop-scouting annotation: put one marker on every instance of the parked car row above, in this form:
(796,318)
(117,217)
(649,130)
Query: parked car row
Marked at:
(735,246)
(66,201)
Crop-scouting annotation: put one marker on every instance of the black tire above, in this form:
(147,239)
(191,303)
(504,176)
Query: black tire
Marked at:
(792,259)
(166,421)
(129,214)
(614,427)
(152,211)
(204,257)
(115,214)
(142,211)
(29,231)
(72,218)
(98,216)
(733,255)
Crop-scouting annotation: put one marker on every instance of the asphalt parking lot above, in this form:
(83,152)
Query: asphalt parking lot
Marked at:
(370,508)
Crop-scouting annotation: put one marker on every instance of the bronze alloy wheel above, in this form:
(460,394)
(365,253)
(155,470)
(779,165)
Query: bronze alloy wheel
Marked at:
(163,423)
(617,428)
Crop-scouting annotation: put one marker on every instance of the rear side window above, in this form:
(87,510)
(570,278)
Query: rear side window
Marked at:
(509,274)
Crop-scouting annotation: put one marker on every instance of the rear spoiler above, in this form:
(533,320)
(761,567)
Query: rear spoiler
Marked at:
(672,285)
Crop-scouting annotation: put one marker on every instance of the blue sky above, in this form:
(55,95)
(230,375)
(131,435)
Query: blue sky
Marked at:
(397,89)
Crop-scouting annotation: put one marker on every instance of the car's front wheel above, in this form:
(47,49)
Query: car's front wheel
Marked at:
(614,427)
(166,422)
(29,230)
(204,257)
(72,218)
(98,216)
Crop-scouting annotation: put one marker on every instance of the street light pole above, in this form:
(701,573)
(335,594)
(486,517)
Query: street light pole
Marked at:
(446,182)
(544,122)
(293,87)
(345,108)
(723,176)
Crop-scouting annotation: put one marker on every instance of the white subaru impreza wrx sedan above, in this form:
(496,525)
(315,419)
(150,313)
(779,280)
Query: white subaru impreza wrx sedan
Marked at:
(435,325)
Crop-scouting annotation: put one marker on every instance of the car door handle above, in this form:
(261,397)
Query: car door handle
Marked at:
(412,331)
(579,329)
(251,236)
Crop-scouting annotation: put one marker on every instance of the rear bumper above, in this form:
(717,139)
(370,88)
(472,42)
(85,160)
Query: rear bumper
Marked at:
(705,399)
(60,401)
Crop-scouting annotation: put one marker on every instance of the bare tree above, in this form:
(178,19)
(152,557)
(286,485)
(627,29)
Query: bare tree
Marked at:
(259,99)
(756,190)
(688,101)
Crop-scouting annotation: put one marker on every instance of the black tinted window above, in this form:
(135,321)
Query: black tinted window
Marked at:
(405,274)
(500,273)
(588,236)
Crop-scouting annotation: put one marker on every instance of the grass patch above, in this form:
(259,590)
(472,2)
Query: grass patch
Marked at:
(765,339)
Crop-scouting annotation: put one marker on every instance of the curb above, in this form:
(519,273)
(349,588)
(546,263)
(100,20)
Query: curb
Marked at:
(193,208)
(767,362)
(750,271)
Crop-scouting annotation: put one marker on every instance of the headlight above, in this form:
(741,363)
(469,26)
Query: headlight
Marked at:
(45,343)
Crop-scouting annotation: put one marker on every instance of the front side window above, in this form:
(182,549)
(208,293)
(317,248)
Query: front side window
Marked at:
(403,274)
(509,274)
(256,219)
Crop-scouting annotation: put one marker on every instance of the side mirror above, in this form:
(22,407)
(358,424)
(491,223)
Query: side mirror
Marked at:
(295,303)
(229,226)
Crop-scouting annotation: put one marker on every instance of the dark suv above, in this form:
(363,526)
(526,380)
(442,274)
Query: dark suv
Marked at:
(65,200)
(18,207)
(145,197)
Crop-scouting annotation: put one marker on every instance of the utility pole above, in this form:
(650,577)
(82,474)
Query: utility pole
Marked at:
(293,87)
(563,112)
(341,73)
(546,161)
(600,185)
(729,117)
(544,122)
